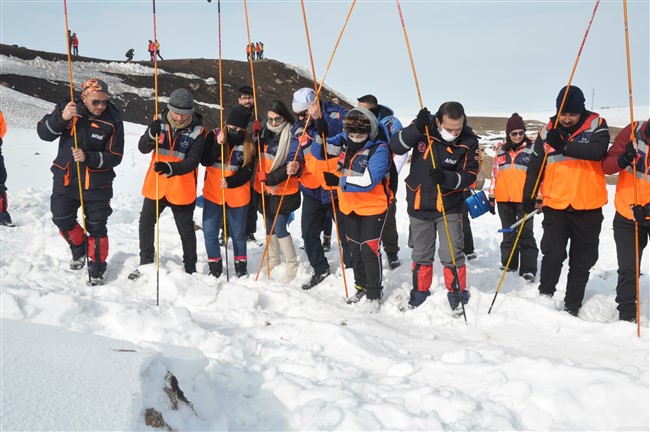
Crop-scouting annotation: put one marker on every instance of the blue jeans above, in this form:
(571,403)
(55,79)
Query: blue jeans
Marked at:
(281,224)
(212,221)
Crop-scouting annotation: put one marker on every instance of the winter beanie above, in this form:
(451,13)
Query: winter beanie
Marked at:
(361,120)
(575,100)
(302,98)
(239,116)
(181,102)
(515,122)
(93,85)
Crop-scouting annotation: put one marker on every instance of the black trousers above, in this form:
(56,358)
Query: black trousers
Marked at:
(183,216)
(251,215)
(525,256)
(64,210)
(313,216)
(389,237)
(625,253)
(364,236)
(583,229)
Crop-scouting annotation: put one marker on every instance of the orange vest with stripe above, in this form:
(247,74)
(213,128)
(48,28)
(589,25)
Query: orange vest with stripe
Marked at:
(180,189)
(266,161)
(235,197)
(573,182)
(512,173)
(625,187)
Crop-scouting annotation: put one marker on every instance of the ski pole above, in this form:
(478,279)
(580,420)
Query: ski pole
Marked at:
(634,183)
(512,227)
(454,269)
(76,145)
(539,175)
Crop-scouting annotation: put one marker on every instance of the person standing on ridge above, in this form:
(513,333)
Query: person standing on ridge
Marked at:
(631,166)
(100,146)
(506,190)
(573,194)
(158,50)
(5,218)
(454,147)
(151,48)
(181,140)
(75,45)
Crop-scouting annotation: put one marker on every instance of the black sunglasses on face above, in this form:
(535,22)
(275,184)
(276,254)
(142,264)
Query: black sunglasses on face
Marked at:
(514,134)
(98,102)
(276,120)
(301,114)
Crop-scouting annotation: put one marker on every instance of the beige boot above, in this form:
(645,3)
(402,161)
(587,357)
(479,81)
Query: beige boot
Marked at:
(289,252)
(274,253)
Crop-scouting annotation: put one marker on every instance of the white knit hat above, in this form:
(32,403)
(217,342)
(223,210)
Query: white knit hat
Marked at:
(302,98)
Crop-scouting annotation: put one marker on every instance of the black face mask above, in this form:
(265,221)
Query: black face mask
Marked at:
(235,137)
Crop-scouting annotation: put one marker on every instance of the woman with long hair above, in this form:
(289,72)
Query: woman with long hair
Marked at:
(276,179)
(237,168)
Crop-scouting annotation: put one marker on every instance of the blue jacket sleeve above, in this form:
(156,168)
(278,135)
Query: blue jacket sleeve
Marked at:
(377,168)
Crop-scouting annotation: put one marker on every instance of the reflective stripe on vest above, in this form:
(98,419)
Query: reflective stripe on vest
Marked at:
(235,197)
(512,174)
(368,203)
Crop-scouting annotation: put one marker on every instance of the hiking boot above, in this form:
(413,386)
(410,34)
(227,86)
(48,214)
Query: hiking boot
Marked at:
(327,243)
(358,295)
(502,267)
(5,220)
(96,271)
(471,256)
(316,279)
(529,277)
(216,268)
(455,299)
(631,319)
(545,294)
(190,268)
(417,298)
(250,237)
(135,274)
(240,268)
(79,263)
(393,261)
(572,311)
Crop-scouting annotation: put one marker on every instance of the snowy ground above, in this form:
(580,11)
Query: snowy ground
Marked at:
(259,355)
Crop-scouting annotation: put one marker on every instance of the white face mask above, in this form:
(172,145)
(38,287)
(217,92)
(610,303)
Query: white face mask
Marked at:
(446,135)
(357,137)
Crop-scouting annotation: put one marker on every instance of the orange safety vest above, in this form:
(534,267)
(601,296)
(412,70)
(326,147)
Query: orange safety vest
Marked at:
(266,161)
(3,126)
(312,174)
(368,203)
(573,182)
(512,173)
(180,189)
(235,197)
(625,187)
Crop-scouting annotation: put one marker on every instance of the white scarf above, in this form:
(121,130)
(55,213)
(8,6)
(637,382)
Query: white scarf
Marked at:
(283,146)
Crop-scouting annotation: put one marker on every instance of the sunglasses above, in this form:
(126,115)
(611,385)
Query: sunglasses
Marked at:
(234,128)
(520,133)
(301,114)
(98,102)
(276,120)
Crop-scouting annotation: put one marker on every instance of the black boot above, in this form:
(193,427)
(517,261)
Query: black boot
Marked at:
(216,268)
(190,268)
(240,268)
(97,271)
(78,260)
(316,279)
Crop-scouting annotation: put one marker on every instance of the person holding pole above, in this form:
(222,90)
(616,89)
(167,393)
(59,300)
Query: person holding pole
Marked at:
(632,165)
(94,124)
(573,193)
(454,147)
(232,181)
(181,140)
(506,189)
(277,183)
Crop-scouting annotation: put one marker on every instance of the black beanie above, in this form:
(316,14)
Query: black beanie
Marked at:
(515,122)
(575,101)
(239,116)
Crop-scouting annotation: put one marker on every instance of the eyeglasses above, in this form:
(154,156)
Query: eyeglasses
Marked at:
(517,133)
(276,120)
(98,102)
(234,128)
(301,114)
(246,98)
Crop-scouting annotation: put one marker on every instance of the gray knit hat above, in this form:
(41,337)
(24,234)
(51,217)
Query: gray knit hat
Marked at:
(181,102)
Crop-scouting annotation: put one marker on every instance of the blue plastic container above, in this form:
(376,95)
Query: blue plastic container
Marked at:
(477,204)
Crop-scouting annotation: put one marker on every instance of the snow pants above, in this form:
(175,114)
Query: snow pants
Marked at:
(582,227)
(364,236)
(625,253)
(389,236)
(525,257)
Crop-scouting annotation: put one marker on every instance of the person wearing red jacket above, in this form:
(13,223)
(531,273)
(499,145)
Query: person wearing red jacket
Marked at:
(75,45)
(506,189)
(632,166)
(573,194)
(100,146)
(5,218)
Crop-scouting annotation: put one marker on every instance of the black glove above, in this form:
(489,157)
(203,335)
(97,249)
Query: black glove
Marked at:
(437,176)
(493,205)
(210,139)
(628,156)
(528,204)
(321,126)
(154,128)
(422,120)
(331,179)
(0,142)
(556,139)
(641,212)
(163,168)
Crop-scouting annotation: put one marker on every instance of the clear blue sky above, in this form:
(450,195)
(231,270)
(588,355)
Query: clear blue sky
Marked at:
(492,56)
